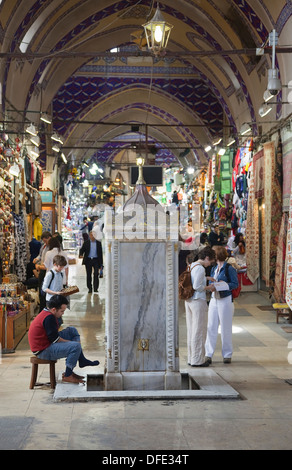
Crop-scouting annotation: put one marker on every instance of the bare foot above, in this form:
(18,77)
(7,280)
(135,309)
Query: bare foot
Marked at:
(71,379)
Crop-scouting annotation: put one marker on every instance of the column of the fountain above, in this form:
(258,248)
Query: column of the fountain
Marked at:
(141,299)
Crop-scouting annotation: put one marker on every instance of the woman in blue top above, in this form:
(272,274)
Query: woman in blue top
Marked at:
(221,307)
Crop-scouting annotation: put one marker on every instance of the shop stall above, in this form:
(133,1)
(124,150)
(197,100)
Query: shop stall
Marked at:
(21,209)
(17,307)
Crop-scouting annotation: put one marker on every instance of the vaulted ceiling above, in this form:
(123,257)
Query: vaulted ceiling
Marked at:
(57,57)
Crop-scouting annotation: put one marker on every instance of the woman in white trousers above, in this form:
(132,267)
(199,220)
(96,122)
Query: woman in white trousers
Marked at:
(221,308)
(220,312)
(197,309)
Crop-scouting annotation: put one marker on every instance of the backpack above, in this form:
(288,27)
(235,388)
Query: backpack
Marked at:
(53,275)
(236,291)
(185,286)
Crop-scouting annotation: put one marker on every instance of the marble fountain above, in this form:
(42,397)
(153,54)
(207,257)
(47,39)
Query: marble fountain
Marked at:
(141,337)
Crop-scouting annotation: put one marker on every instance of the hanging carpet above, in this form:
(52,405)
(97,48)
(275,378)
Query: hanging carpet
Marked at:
(252,232)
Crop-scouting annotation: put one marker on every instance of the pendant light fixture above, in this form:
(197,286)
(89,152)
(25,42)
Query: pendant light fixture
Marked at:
(245,129)
(64,157)
(265,109)
(56,147)
(157,32)
(31,129)
(35,140)
(46,118)
(57,138)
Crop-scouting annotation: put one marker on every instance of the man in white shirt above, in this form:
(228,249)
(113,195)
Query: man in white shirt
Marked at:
(40,267)
(197,308)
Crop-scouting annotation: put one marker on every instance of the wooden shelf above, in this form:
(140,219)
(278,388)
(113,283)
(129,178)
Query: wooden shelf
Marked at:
(17,326)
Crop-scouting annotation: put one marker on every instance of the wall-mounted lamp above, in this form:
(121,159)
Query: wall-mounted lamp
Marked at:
(157,32)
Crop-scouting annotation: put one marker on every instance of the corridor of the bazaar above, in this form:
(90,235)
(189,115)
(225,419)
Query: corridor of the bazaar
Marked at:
(145,226)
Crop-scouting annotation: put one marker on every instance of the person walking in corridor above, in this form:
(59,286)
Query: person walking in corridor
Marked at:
(91,251)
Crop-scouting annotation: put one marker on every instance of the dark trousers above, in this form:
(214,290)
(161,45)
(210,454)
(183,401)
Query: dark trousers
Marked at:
(92,265)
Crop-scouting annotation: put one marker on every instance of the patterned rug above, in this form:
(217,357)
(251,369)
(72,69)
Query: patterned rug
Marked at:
(289,258)
(287,165)
(259,173)
(280,274)
(276,210)
(252,232)
(269,158)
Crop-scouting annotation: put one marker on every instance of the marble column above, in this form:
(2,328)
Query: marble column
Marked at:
(141,311)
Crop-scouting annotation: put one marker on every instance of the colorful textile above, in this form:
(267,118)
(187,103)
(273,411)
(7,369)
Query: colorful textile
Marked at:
(280,274)
(276,210)
(259,172)
(289,258)
(269,157)
(252,232)
(287,167)
(20,259)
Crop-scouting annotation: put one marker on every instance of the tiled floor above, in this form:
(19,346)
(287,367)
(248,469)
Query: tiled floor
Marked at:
(260,419)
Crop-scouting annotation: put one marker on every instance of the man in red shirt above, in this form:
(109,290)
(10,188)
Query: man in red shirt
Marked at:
(47,342)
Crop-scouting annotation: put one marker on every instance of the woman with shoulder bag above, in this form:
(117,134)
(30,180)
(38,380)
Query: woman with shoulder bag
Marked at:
(197,309)
(221,307)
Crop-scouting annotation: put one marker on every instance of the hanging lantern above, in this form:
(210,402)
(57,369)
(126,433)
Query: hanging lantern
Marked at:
(157,32)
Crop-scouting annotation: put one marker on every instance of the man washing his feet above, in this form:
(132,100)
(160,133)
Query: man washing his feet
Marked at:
(47,342)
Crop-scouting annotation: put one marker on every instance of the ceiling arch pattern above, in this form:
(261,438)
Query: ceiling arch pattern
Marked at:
(97,17)
(164,117)
(80,92)
(208,89)
(284,16)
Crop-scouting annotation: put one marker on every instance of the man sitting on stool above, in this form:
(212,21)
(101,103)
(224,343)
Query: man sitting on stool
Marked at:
(92,251)
(47,342)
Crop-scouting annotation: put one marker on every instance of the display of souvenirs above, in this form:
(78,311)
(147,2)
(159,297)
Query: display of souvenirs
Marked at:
(6,218)
(11,302)
(240,184)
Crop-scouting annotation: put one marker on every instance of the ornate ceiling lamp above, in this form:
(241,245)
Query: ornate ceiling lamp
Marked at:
(141,197)
(157,32)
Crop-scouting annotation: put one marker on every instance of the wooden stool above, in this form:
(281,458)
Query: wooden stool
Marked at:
(34,372)
(283,310)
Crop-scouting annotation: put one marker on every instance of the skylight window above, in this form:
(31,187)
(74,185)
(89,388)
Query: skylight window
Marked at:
(41,19)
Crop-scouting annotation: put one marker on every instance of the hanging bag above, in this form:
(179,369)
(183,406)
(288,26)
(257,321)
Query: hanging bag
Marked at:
(185,285)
